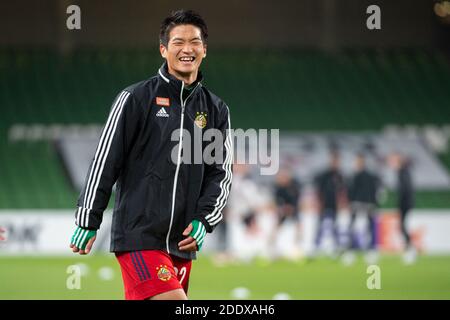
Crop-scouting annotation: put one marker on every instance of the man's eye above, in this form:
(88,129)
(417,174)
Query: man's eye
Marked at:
(178,43)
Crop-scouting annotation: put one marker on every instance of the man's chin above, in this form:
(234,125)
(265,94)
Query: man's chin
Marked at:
(186,70)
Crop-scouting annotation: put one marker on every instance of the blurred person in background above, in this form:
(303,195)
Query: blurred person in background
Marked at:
(242,232)
(286,192)
(331,194)
(363,191)
(2,232)
(405,202)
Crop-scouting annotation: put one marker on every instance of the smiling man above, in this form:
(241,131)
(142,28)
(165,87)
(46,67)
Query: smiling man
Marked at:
(164,207)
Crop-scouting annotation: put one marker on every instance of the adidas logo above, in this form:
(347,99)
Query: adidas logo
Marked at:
(162,113)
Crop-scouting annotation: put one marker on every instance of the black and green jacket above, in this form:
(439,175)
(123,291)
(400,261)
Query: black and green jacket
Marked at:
(156,198)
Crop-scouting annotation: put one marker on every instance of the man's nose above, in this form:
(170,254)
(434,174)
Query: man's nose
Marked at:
(187,48)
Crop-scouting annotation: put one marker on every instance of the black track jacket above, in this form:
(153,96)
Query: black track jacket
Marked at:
(157,198)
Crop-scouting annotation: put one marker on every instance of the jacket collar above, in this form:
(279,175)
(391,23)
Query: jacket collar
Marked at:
(174,82)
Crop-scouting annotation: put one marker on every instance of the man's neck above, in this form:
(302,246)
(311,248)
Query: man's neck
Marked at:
(188,79)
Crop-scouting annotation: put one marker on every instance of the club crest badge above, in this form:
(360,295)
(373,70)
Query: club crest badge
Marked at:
(163,273)
(200,120)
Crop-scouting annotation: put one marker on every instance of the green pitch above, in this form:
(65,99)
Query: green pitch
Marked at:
(45,278)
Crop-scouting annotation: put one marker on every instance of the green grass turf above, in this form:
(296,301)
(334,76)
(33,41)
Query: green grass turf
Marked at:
(45,278)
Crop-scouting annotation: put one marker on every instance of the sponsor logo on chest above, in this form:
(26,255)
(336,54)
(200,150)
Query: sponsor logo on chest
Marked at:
(160,101)
(162,113)
(163,102)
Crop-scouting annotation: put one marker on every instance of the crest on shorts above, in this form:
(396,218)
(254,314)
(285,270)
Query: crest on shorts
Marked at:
(200,119)
(163,273)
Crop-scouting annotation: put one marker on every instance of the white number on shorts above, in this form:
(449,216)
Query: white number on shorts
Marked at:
(182,273)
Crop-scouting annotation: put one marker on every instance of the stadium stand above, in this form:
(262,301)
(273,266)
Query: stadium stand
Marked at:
(304,90)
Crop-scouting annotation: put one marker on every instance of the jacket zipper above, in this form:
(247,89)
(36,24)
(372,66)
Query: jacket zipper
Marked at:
(180,145)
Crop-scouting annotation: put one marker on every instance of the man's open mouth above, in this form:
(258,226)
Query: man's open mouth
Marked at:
(187,59)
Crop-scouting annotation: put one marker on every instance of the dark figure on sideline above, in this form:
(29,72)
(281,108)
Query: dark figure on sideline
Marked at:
(405,202)
(363,195)
(287,195)
(331,190)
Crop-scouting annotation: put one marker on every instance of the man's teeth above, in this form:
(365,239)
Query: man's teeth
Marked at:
(187,58)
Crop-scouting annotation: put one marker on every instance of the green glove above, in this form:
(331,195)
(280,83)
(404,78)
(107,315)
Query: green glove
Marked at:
(81,237)
(198,233)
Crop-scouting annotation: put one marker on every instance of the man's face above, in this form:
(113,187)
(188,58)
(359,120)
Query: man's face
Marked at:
(283,177)
(185,50)
(334,162)
(360,163)
(395,161)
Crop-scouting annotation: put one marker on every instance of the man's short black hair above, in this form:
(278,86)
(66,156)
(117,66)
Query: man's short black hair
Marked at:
(181,17)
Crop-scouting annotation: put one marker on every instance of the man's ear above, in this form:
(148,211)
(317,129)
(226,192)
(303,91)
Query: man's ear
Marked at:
(204,51)
(163,50)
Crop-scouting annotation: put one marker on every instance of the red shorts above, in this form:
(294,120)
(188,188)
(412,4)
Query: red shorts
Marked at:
(150,272)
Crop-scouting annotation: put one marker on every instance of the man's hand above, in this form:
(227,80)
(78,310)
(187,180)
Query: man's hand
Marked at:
(82,240)
(195,233)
